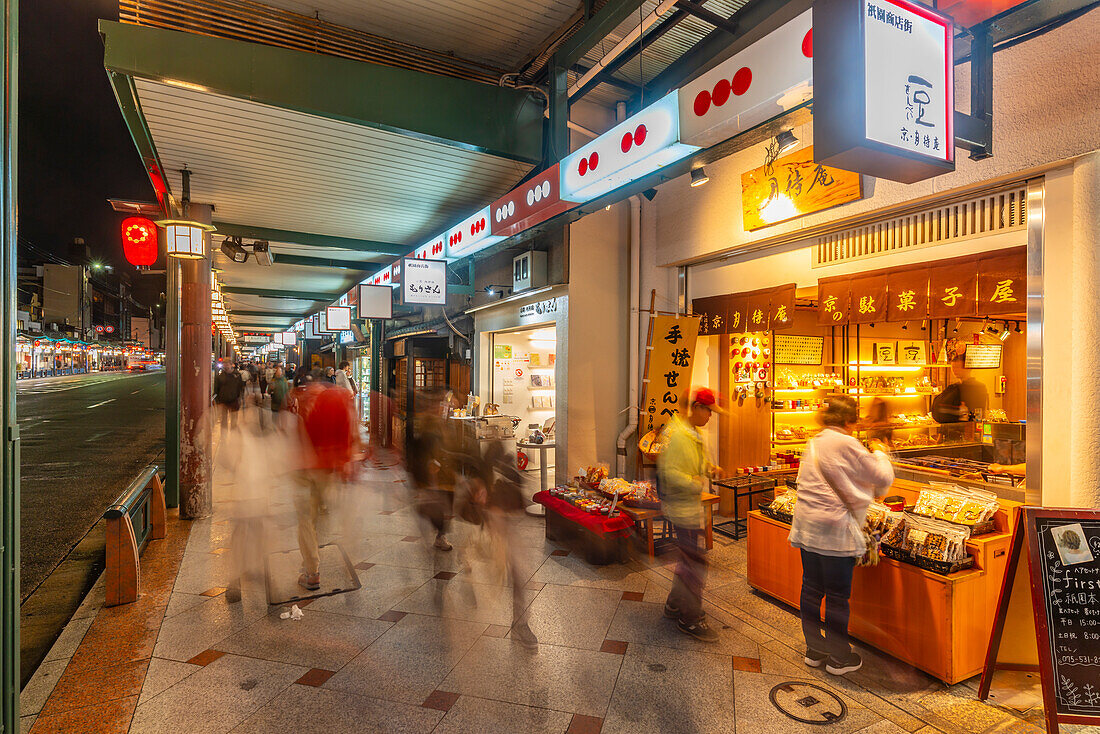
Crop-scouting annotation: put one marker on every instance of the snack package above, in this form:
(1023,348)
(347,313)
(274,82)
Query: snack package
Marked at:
(893,529)
(935,540)
(785,502)
(595,474)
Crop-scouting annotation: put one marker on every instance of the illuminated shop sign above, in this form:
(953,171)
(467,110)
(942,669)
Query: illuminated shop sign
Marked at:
(528,204)
(472,235)
(636,147)
(337,318)
(425,282)
(884,83)
(764,80)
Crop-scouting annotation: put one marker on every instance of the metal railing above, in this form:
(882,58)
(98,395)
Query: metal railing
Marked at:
(137,516)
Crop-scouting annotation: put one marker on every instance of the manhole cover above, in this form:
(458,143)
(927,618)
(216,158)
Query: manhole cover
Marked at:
(808,703)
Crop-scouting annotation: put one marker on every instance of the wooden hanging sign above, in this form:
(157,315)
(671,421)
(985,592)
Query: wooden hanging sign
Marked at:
(1062,583)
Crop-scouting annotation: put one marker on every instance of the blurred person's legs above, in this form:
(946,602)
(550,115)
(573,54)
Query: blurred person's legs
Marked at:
(246,544)
(685,601)
(502,529)
(308,500)
(434,505)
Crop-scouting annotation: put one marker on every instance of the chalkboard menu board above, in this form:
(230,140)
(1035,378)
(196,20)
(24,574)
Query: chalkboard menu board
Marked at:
(1067,548)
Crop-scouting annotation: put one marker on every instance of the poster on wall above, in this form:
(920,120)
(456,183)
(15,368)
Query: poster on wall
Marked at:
(669,377)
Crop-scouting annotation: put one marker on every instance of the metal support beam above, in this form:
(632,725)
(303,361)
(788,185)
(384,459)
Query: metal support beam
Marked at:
(272,314)
(595,30)
(9,457)
(172,387)
(309,239)
(694,7)
(974,132)
(497,120)
(293,295)
(604,78)
(557,132)
(324,262)
(196,442)
(126,96)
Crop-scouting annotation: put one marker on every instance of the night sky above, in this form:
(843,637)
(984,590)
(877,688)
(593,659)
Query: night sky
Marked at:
(74,149)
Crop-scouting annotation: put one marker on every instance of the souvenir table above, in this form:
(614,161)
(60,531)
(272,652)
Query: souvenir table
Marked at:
(603,538)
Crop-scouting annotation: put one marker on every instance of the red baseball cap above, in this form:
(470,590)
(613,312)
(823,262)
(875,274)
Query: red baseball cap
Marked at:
(705,397)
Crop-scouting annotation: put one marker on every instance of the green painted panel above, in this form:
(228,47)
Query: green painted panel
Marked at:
(310,239)
(479,117)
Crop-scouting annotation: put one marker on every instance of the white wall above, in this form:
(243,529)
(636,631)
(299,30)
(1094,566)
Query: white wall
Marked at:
(599,279)
(1045,93)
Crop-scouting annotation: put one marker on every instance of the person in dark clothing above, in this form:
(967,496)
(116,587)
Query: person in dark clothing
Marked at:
(228,389)
(960,399)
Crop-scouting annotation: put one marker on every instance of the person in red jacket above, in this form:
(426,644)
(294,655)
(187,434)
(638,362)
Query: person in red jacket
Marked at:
(330,441)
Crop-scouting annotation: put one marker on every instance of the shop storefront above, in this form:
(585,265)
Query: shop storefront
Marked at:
(518,376)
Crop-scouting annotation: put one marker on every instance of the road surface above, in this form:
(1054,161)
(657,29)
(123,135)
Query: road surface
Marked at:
(83,439)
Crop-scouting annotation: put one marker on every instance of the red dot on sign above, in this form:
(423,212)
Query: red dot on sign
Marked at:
(583,167)
(702,103)
(639,134)
(741,80)
(593,160)
(628,140)
(721,92)
(808,44)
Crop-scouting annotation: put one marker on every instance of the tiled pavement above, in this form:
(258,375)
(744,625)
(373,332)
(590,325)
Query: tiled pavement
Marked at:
(424,645)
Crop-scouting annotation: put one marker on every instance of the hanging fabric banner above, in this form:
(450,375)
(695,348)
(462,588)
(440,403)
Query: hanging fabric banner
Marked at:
(670,362)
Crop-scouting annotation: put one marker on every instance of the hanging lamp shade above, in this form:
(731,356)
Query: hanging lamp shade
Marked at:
(139,241)
(185,238)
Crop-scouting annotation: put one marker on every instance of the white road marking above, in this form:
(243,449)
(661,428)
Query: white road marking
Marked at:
(103,403)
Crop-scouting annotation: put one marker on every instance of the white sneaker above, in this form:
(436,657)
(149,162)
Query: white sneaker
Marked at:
(441,543)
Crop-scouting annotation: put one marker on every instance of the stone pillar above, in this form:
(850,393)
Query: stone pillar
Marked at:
(196,447)
(1084,428)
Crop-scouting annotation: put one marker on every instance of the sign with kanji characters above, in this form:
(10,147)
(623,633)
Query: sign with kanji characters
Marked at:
(884,96)
(907,290)
(952,289)
(1002,283)
(868,299)
(424,282)
(758,310)
(782,307)
(832,301)
(712,313)
(793,186)
(670,364)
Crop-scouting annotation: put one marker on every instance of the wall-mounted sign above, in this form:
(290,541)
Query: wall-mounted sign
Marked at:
(764,80)
(375,302)
(338,318)
(640,145)
(471,236)
(983,356)
(793,186)
(290,338)
(424,282)
(528,204)
(884,96)
(538,311)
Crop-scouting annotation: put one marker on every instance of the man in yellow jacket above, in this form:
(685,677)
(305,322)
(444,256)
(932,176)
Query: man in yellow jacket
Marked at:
(682,472)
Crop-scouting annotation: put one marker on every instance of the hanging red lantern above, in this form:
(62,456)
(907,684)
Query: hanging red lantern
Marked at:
(139,241)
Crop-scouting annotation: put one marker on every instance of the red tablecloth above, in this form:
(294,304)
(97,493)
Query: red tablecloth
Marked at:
(620,525)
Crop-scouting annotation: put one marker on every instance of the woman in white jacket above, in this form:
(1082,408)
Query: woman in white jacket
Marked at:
(837,480)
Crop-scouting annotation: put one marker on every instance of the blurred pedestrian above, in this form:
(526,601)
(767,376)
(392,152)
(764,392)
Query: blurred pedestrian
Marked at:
(330,375)
(344,379)
(428,460)
(228,389)
(683,471)
(330,441)
(279,389)
(837,480)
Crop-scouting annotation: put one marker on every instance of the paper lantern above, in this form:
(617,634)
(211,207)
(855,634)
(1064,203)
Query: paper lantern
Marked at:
(139,241)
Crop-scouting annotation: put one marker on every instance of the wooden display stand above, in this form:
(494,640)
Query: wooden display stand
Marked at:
(939,624)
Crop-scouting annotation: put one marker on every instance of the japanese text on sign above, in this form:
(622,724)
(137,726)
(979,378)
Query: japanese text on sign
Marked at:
(424,282)
(793,186)
(670,364)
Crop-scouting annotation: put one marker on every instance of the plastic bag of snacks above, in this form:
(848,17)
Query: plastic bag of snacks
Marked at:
(784,503)
(893,529)
(953,503)
(935,540)
(594,474)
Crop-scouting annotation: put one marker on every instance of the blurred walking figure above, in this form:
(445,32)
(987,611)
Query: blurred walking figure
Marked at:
(330,375)
(495,500)
(344,379)
(330,440)
(682,472)
(279,389)
(228,389)
(429,463)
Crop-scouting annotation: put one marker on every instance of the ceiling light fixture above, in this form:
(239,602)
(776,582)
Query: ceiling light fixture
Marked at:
(261,250)
(786,140)
(698,177)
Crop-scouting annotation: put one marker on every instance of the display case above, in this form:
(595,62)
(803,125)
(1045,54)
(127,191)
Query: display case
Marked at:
(939,623)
